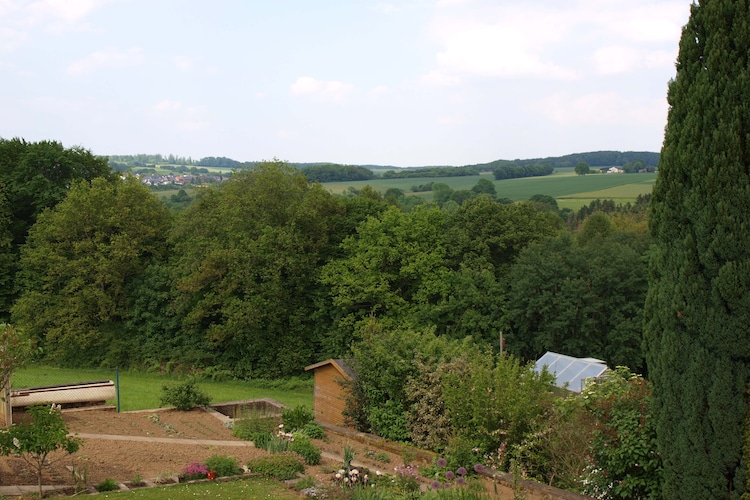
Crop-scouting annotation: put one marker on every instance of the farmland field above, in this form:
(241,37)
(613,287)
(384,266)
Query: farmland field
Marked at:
(570,190)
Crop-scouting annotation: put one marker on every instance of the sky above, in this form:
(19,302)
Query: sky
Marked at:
(407,83)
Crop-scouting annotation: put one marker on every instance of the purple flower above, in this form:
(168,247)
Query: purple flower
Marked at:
(441,462)
(478,468)
(435,485)
(460,481)
(461,471)
(450,475)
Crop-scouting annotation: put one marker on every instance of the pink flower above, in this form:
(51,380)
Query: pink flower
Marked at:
(441,462)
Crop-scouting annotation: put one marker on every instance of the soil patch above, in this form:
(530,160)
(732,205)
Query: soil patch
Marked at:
(155,445)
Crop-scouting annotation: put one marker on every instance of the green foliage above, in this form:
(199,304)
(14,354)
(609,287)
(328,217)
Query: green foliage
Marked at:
(108,484)
(582,168)
(34,441)
(296,418)
(260,439)
(696,316)
(305,448)
(496,401)
(15,350)
(281,467)
(253,425)
(79,265)
(389,421)
(585,301)
(248,254)
(35,176)
(626,462)
(223,465)
(429,424)
(184,395)
(313,430)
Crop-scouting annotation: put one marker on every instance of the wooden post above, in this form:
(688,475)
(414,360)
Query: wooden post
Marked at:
(7,409)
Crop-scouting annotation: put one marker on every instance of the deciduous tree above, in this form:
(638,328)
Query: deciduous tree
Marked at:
(79,264)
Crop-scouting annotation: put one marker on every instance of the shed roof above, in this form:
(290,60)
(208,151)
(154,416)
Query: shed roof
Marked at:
(569,372)
(339,364)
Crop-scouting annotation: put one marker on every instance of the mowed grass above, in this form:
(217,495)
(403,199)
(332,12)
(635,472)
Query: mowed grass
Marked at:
(570,190)
(142,391)
(243,488)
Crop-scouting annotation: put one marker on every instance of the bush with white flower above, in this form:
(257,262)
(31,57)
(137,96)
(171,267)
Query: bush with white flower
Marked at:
(35,440)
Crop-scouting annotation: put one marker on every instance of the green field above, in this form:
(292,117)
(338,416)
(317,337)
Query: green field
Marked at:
(570,190)
(142,391)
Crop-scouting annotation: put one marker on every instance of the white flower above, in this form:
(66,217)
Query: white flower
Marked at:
(16,443)
(342,471)
(281,426)
(378,473)
(355,472)
(338,475)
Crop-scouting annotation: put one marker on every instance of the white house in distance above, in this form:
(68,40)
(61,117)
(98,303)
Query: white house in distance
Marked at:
(571,373)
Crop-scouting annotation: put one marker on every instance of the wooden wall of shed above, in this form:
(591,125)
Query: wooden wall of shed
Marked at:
(328,399)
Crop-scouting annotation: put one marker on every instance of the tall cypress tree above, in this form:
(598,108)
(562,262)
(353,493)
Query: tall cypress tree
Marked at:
(697,320)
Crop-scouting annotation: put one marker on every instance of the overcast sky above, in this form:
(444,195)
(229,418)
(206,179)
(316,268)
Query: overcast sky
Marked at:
(404,83)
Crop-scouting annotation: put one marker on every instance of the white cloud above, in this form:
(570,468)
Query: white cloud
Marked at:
(64,10)
(542,39)
(182,116)
(440,78)
(500,42)
(601,108)
(380,90)
(183,63)
(617,59)
(107,58)
(332,90)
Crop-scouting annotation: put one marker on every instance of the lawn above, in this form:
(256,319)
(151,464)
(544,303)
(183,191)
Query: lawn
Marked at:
(255,488)
(140,390)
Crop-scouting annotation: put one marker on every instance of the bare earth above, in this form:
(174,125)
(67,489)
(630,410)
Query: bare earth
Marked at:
(157,444)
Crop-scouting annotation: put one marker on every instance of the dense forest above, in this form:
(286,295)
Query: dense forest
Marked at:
(108,275)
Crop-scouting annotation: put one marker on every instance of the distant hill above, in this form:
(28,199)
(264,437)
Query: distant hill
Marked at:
(593,159)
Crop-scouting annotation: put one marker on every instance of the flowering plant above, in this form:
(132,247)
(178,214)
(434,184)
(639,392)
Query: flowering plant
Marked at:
(352,477)
(192,471)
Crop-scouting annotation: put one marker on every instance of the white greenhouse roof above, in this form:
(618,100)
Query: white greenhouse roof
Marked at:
(569,372)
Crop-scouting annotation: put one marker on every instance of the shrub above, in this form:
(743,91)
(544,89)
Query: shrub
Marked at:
(223,465)
(389,421)
(313,431)
(281,467)
(35,441)
(304,447)
(183,395)
(108,484)
(296,418)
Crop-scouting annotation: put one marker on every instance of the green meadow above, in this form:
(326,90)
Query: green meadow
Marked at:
(570,190)
(142,391)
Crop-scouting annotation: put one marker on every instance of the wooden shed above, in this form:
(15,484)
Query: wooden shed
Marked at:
(329,399)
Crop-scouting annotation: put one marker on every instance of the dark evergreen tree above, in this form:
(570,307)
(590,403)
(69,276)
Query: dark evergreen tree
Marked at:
(698,306)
